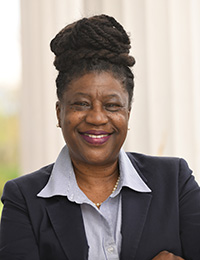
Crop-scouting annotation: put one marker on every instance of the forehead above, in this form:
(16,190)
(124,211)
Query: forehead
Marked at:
(103,83)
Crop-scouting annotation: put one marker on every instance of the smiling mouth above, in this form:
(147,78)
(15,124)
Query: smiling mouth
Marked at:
(95,139)
(96,136)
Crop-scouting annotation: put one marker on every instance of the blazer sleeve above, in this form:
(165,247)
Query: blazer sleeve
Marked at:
(17,239)
(189,206)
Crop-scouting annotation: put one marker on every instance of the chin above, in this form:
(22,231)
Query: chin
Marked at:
(100,158)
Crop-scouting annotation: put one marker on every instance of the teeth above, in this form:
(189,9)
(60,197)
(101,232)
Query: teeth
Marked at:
(96,136)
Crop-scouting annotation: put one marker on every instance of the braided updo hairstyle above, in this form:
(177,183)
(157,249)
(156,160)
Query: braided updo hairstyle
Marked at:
(98,43)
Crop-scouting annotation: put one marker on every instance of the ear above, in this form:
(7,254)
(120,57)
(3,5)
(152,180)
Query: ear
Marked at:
(58,112)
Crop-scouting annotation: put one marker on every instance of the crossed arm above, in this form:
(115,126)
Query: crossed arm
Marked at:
(165,255)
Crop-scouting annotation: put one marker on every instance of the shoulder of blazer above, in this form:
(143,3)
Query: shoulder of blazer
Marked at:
(143,160)
(32,183)
(156,167)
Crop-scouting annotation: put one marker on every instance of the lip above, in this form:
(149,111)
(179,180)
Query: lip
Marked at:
(95,137)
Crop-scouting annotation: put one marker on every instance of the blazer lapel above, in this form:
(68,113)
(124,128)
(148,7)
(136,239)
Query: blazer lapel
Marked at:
(67,222)
(135,206)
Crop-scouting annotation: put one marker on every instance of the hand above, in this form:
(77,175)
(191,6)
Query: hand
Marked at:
(165,255)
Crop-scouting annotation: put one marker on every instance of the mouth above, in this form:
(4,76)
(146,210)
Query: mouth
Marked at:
(95,137)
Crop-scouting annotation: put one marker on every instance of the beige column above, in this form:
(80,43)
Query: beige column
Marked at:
(182,84)
(133,14)
(195,71)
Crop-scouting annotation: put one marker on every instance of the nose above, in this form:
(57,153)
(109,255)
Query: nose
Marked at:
(96,115)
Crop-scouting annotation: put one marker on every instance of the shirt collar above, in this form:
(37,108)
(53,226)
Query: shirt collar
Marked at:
(62,181)
(129,176)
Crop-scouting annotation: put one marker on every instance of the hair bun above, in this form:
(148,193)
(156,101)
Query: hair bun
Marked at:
(99,37)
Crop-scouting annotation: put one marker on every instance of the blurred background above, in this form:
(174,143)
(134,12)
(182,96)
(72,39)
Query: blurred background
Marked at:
(165,118)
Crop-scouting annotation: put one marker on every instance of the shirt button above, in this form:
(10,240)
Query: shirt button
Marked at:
(110,249)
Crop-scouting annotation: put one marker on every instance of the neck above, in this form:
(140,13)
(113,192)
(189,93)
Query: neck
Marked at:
(93,173)
(97,182)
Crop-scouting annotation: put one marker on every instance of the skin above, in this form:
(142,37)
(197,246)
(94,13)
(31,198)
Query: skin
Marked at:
(93,104)
(165,255)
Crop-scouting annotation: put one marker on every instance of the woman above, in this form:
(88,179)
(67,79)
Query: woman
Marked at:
(96,201)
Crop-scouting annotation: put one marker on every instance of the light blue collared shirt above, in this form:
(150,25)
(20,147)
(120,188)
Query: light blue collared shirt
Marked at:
(102,226)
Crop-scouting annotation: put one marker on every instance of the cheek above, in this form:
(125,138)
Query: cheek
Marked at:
(72,119)
(120,121)
(68,123)
(66,119)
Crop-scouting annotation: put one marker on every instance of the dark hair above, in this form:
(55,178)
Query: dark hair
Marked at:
(98,43)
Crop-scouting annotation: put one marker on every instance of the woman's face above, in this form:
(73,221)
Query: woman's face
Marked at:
(93,115)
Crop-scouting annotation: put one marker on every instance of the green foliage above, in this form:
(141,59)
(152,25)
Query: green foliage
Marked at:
(1,206)
(7,173)
(9,132)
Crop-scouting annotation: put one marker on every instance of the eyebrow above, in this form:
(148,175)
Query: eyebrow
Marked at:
(82,94)
(88,95)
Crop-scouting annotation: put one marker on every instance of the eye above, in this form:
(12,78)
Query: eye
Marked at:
(81,105)
(112,107)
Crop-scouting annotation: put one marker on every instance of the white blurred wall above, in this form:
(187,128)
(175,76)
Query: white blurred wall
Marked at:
(165,38)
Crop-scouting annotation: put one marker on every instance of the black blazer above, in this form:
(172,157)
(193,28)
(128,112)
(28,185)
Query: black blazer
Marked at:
(168,218)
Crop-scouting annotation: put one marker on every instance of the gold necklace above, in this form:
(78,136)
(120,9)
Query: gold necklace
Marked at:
(98,204)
